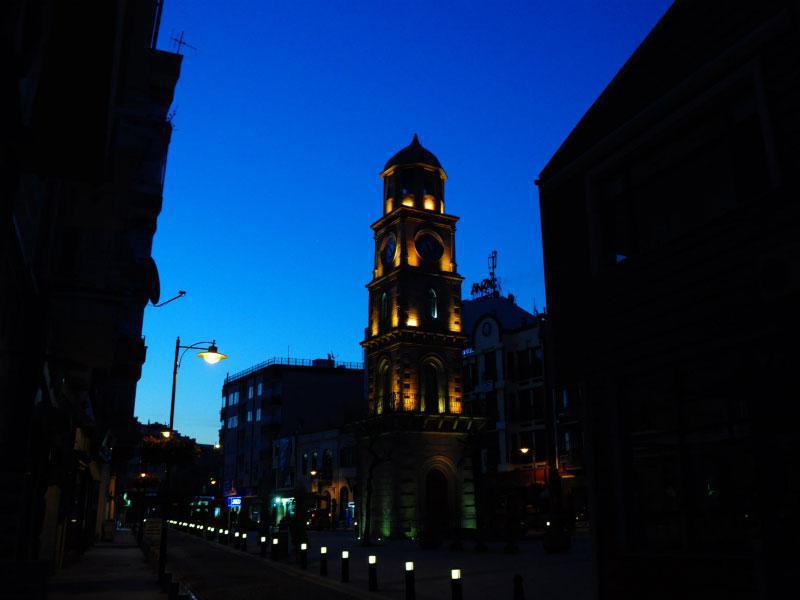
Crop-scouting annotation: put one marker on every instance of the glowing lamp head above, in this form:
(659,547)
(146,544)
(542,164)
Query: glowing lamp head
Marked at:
(455,573)
(323,550)
(142,475)
(409,565)
(345,554)
(274,541)
(524,450)
(372,559)
(166,434)
(212,356)
(313,472)
(244,536)
(263,539)
(217,446)
(303,546)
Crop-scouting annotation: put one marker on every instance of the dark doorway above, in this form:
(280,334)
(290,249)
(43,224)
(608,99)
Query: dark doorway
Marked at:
(437,508)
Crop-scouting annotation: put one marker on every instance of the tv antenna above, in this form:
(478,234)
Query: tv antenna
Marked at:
(489,287)
(180,43)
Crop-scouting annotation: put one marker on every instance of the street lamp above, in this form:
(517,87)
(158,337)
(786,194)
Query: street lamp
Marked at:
(212,356)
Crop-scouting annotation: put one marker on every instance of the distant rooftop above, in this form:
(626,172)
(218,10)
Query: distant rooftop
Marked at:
(505,310)
(328,363)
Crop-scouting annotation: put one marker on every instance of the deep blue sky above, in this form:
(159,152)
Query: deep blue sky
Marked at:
(285,114)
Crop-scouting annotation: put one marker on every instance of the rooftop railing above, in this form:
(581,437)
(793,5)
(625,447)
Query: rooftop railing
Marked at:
(295,362)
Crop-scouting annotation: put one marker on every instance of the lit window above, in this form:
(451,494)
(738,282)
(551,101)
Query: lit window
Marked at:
(429,202)
(433,304)
(384,306)
(260,389)
(249,416)
(250,391)
(258,414)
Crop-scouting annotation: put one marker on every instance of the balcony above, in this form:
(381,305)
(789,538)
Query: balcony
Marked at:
(412,403)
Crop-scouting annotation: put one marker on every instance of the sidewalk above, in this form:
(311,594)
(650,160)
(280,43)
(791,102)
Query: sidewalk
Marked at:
(109,570)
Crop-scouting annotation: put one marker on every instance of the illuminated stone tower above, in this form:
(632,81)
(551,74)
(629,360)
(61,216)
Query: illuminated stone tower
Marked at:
(422,472)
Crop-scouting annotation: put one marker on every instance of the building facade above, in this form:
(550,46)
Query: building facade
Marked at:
(416,472)
(82,177)
(670,223)
(265,409)
(503,379)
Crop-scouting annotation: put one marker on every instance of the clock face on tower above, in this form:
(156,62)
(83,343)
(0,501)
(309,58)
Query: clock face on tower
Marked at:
(389,249)
(428,247)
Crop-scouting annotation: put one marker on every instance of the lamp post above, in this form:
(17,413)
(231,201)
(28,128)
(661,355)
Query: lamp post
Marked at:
(212,356)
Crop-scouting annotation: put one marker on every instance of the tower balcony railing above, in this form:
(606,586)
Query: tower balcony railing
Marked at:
(400,402)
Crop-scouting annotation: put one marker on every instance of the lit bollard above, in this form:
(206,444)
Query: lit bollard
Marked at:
(372,561)
(263,541)
(411,593)
(345,566)
(274,551)
(244,542)
(455,584)
(303,555)
(323,560)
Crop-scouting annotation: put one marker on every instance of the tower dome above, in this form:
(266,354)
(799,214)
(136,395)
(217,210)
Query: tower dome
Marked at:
(413,177)
(412,154)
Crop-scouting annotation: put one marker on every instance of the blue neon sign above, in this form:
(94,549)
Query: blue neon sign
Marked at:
(234,501)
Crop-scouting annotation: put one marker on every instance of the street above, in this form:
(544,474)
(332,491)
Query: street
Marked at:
(214,571)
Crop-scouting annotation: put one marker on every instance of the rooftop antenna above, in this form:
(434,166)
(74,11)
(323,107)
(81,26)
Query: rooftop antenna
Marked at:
(489,287)
(180,43)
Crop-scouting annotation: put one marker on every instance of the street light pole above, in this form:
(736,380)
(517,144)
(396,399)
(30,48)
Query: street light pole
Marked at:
(211,356)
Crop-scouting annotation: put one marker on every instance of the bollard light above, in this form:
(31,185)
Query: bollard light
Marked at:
(263,539)
(323,550)
(303,555)
(345,566)
(323,560)
(244,536)
(372,572)
(411,593)
(274,553)
(455,584)
(236,534)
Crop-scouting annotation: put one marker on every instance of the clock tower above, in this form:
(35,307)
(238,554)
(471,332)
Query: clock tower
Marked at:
(421,470)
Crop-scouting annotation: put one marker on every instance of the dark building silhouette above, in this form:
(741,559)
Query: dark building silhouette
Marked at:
(416,473)
(85,101)
(671,231)
(265,408)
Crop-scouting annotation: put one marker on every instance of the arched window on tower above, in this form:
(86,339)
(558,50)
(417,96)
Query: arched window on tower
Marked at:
(384,307)
(431,384)
(433,304)
(383,395)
